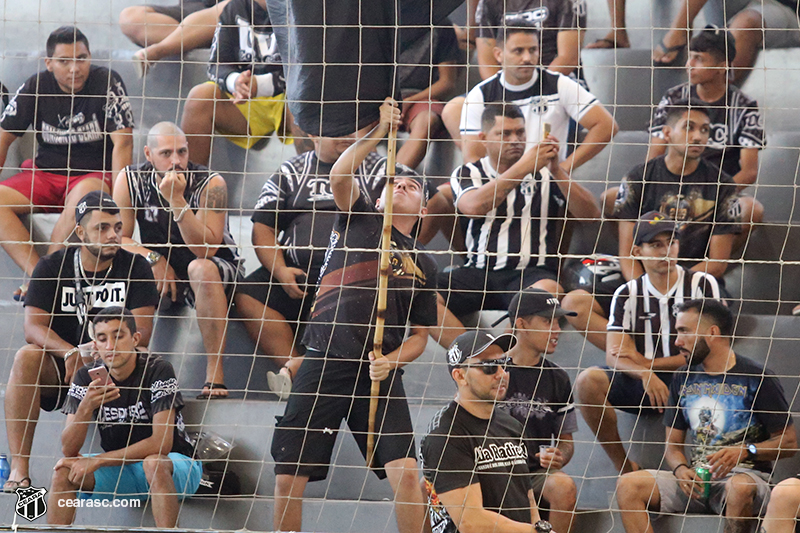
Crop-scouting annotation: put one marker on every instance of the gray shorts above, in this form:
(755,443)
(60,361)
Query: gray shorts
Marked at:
(675,501)
(781,26)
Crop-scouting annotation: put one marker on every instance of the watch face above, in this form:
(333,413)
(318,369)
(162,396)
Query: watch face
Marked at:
(752,449)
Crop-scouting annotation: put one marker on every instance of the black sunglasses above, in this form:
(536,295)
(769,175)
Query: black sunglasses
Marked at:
(490,366)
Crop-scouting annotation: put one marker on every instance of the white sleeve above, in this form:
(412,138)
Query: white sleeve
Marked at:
(575,100)
(471,112)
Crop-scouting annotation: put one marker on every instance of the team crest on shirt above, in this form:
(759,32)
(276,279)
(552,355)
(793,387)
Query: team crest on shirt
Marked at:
(539,105)
(534,17)
(579,7)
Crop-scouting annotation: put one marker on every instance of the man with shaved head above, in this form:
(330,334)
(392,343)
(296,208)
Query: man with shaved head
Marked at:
(181,211)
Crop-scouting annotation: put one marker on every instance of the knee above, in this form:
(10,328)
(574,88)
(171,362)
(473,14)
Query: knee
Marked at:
(200,100)
(592,385)
(289,486)
(786,494)
(205,272)
(561,491)
(157,467)
(635,487)
(549,285)
(131,17)
(747,19)
(28,359)
(579,301)
(60,480)
(741,490)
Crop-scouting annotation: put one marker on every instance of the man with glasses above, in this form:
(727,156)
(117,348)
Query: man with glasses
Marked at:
(474,457)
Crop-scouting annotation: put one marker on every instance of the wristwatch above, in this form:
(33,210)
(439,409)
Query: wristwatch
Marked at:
(153,258)
(751,452)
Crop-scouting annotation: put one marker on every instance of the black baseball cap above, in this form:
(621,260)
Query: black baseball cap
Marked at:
(474,343)
(94,201)
(650,225)
(533,301)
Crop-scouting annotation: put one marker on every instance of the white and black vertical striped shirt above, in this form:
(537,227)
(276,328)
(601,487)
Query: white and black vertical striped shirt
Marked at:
(523,231)
(639,310)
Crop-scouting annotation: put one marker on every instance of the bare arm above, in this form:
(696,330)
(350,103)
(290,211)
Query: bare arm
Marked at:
(581,203)
(748,171)
(465,507)
(38,332)
(568,43)
(203,231)
(674,454)
(631,268)
(159,443)
(441,88)
(270,255)
(602,128)
(621,354)
(719,253)
(74,434)
(567,447)
(6,140)
(122,154)
(143,316)
(487,64)
(472,148)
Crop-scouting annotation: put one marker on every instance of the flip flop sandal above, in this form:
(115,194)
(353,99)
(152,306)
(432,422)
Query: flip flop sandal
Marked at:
(608,44)
(665,50)
(211,387)
(11,486)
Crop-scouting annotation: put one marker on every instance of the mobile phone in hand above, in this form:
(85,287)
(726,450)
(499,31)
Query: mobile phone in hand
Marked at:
(99,372)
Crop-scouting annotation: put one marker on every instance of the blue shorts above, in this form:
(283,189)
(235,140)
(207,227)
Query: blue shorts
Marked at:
(129,481)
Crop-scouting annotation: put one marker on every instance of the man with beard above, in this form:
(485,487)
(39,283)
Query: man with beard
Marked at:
(749,410)
(67,289)
(474,457)
(181,210)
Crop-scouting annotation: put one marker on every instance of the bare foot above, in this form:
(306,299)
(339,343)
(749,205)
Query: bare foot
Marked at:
(668,52)
(141,63)
(618,39)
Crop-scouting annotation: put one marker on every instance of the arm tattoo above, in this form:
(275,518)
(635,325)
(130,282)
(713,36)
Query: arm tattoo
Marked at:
(217,198)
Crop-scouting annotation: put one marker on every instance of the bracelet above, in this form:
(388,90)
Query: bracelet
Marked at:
(674,470)
(183,212)
(71,352)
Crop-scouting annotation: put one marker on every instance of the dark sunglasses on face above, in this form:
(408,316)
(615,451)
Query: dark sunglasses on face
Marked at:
(490,366)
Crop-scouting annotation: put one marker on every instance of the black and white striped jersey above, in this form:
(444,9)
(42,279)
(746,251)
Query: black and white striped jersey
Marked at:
(523,231)
(736,123)
(642,312)
(549,97)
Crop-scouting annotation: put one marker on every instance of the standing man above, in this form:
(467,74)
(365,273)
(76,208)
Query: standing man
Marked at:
(292,224)
(685,187)
(83,123)
(738,422)
(539,395)
(474,457)
(641,354)
(516,202)
(335,378)
(142,433)
(181,210)
(66,290)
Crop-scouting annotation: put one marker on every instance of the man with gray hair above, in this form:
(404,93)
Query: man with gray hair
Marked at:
(181,211)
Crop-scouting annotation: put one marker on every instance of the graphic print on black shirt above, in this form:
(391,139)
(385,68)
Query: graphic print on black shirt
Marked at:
(704,203)
(343,317)
(746,404)
(128,283)
(157,226)
(71,130)
(150,389)
(461,449)
(297,202)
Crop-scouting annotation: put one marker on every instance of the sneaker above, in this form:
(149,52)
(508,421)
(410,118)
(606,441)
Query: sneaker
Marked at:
(280,383)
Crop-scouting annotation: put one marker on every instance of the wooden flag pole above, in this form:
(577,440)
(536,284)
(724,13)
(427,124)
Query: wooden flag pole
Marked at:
(383,286)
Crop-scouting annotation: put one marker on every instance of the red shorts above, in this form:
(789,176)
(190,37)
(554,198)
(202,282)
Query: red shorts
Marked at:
(48,191)
(418,107)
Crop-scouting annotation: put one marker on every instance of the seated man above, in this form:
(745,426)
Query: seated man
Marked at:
(683,186)
(83,123)
(474,457)
(292,224)
(66,290)
(245,99)
(640,344)
(738,422)
(181,210)
(137,404)
(783,510)
(515,201)
(539,395)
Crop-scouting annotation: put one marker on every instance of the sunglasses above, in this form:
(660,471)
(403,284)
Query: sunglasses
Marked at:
(490,366)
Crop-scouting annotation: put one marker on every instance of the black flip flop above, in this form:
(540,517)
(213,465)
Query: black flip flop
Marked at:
(677,60)
(211,386)
(18,485)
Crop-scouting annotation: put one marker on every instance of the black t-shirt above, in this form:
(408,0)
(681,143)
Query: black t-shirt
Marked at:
(461,450)
(127,283)
(704,202)
(417,64)
(72,130)
(157,227)
(297,202)
(150,389)
(4,94)
(745,404)
(342,320)
(550,16)
(540,397)
(736,123)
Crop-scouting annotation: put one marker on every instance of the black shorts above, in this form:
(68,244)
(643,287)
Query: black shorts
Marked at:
(326,391)
(467,290)
(627,393)
(259,285)
(52,397)
(184,9)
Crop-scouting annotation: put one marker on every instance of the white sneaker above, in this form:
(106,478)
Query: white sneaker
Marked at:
(280,384)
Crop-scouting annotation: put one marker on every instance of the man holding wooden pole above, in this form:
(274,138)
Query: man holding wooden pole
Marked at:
(335,379)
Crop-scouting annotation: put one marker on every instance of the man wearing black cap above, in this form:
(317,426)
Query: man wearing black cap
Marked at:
(540,396)
(640,342)
(66,290)
(475,457)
